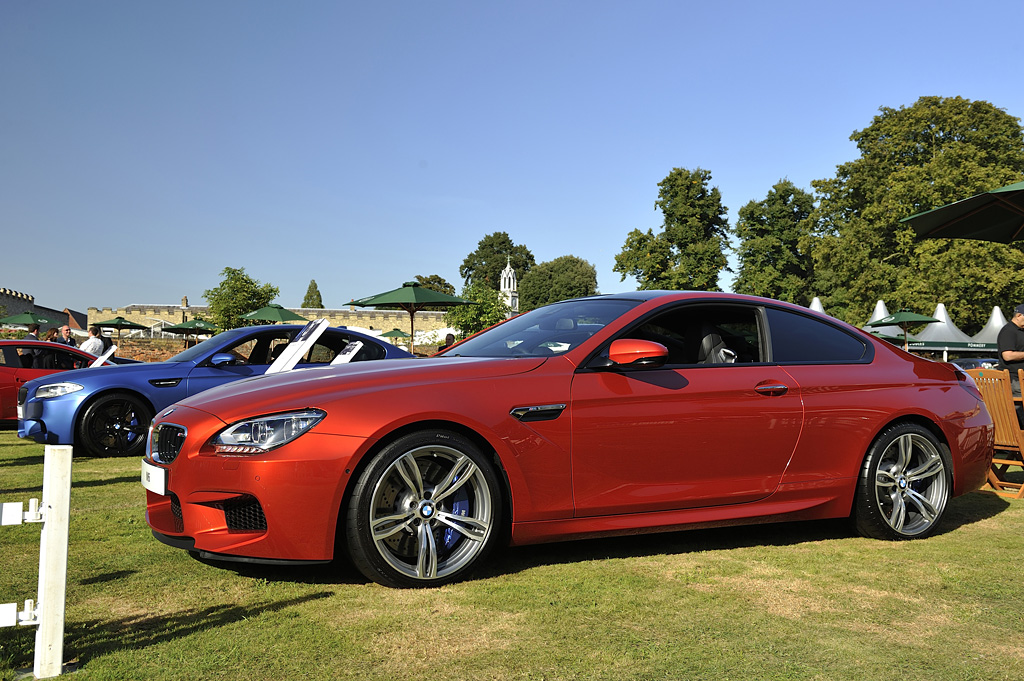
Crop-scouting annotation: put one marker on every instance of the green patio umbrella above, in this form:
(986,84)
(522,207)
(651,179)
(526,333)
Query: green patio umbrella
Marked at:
(26,318)
(274,313)
(394,333)
(904,319)
(193,327)
(119,323)
(997,216)
(412,298)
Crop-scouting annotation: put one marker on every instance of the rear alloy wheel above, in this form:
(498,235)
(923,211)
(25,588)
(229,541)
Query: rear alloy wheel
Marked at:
(904,485)
(425,511)
(114,425)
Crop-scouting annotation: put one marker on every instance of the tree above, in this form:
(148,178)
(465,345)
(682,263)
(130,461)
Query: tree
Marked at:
(435,282)
(237,294)
(489,310)
(313,300)
(560,279)
(937,151)
(689,251)
(772,262)
(492,254)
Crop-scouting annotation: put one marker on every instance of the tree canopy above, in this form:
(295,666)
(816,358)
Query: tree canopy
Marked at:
(937,151)
(772,261)
(313,300)
(489,310)
(237,294)
(492,254)
(688,252)
(560,279)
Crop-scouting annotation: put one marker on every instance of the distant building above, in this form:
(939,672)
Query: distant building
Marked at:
(510,288)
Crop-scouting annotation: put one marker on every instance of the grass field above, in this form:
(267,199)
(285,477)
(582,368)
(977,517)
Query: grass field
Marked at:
(791,601)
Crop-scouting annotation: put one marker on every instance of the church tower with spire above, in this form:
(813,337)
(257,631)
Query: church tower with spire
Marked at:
(509,287)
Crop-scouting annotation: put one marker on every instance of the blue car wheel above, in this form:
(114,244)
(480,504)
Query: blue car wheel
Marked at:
(114,425)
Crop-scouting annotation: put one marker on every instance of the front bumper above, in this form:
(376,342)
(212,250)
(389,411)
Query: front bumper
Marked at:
(282,506)
(49,422)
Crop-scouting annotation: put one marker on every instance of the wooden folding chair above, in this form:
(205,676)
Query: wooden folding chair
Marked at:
(995,389)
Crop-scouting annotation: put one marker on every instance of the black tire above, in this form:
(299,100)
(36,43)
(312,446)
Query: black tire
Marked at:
(115,424)
(904,486)
(426,511)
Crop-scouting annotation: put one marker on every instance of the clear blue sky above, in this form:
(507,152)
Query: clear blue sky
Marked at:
(145,146)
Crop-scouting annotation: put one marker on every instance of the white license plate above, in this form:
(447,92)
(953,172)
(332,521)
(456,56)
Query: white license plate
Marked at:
(154,478)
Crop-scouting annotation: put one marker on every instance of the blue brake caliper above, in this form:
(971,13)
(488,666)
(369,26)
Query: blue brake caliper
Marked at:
(460,506)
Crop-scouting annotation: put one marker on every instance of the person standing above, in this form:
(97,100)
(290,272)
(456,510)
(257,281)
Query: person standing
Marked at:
(1010,343)
(94,344)
(65,337)
(32,335)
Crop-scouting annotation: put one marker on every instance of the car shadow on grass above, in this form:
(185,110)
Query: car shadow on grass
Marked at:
(964,510)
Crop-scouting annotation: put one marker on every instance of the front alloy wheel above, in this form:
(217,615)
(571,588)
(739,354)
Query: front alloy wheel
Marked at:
(114,425)
(904,485)
(424,512)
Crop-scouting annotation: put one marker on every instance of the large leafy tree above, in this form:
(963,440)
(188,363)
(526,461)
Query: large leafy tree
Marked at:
(493,252)
(772,261)
(912,159)
(313,299)
(489,310)
(689,251)
(435,282)
(559,279)
(237,294)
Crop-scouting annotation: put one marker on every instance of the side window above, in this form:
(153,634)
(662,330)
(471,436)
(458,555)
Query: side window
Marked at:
(705,334)
(328,346)
(9,357)
(797,338)
(258,350)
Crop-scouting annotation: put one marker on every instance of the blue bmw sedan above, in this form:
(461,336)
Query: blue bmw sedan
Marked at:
(107,411)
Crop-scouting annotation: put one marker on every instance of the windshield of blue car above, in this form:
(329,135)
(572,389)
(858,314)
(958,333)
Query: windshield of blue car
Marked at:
(200,349)
(546,331)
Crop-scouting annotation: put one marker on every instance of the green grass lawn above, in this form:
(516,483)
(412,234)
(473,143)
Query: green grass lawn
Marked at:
(791,601)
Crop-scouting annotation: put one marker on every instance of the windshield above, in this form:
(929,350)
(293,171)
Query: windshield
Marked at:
(200,349)
(546,331)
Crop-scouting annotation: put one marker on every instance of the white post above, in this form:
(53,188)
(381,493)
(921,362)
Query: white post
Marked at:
(53,561)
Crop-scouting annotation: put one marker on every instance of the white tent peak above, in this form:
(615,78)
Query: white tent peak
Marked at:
(944,331)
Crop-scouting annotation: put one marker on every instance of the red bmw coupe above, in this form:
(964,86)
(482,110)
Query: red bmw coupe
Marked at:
(614,414)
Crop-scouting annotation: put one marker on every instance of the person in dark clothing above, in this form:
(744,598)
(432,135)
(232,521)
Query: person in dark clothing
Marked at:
(1010,344)
(32,335)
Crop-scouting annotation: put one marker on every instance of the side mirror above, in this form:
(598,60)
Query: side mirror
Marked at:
(222,359)
(634,352)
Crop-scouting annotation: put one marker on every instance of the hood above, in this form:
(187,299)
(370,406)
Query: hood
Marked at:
(309,387)
(109,375)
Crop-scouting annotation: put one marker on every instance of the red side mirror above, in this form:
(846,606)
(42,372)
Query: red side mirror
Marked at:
(636,352)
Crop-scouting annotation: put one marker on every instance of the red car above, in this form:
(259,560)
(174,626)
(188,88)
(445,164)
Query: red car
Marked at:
(639,412)
(16,367)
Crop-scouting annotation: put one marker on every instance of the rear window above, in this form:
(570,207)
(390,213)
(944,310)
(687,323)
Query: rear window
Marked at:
(797,338)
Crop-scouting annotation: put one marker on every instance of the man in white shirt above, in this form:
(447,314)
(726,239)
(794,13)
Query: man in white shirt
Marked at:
(94,346)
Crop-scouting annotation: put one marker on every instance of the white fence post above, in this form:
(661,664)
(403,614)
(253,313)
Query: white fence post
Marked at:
(55,514)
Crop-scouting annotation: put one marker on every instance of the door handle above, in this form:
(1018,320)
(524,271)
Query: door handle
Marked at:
(772,389)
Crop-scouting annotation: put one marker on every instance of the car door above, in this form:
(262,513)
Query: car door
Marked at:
(13,373)
(716,425)
(252,355)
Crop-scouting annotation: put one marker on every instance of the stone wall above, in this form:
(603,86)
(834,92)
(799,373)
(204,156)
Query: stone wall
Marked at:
(16,302)
(152,315)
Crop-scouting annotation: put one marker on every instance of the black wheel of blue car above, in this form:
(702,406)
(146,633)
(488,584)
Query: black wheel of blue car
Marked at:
(115,424)
(904,486)
(426,511)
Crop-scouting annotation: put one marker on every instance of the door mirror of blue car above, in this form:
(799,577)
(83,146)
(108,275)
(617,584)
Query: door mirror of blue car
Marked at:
(222,359)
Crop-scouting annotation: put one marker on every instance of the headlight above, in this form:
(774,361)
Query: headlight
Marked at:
(49,390)
(259,435)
